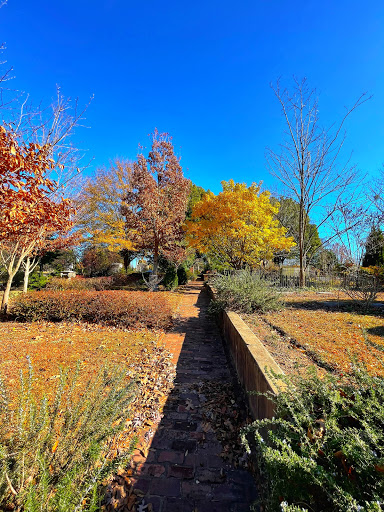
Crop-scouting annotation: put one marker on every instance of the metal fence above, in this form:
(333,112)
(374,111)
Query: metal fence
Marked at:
(312,280)
(317,280)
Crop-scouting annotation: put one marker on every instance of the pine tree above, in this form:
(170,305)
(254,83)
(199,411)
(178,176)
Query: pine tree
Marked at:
(374,248)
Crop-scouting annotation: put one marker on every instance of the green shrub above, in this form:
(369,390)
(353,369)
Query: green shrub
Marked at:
(324,451)
(170,280)
(182,276)
(54,454)
(18,279)
(37,281)
(192,276)
(244,292)
(133,310)
(131,280)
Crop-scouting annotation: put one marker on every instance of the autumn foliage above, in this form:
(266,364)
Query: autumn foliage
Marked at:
(155,207)
(99,207)
(133,310)
(30,214)
(237,227)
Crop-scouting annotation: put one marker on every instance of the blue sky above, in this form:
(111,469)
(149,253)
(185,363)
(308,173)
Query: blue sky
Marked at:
(201,71)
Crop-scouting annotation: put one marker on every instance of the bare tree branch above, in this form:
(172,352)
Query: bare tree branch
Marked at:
(308,161)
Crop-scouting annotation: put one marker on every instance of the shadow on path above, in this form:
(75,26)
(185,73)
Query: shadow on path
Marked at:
(184,471)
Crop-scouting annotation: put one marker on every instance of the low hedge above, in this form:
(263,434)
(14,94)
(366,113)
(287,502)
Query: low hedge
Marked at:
(117,281)
(134,310)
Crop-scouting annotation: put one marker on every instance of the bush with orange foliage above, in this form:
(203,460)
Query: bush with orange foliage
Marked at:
(133,310)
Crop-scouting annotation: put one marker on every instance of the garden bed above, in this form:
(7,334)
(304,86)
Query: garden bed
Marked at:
(54,345)
(325,329)
(46,348)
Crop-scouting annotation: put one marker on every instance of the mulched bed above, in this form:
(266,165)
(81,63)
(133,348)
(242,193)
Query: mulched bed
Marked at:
(325,329)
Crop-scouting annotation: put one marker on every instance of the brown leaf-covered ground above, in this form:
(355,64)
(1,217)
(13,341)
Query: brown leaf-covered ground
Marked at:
(323,328)
(51,345)
(62,344)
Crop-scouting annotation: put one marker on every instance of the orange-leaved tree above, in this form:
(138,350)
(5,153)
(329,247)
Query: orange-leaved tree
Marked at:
(30,212)
(237,228)
(155,206)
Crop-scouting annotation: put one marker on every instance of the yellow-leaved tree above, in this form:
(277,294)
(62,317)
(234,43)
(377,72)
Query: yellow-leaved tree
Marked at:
(99,209)
(238,227)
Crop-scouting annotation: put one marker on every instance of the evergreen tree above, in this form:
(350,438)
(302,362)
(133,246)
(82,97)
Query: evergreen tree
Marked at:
(374,248)
(288,216)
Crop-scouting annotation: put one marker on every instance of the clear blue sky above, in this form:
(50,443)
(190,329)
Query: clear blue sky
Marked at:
(201,71)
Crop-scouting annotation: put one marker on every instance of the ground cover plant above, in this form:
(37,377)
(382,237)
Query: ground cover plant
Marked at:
(54,453)
(52,346)
(245,292)
(131,310)
(133,281)
(324,449)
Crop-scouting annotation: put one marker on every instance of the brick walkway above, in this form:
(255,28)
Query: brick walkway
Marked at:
(183,471)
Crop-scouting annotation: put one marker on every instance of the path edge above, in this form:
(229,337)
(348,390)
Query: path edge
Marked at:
(253,363)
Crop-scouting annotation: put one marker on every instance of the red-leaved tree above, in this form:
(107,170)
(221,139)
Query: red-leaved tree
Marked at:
(155,207)
(30,212)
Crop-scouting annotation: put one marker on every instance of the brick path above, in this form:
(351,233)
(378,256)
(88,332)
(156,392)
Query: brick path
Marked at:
(183,471)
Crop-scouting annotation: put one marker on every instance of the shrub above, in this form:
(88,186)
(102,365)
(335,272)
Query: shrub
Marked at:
(133,310)
(324,451)
(61,283)
(182,275)
(132,280)
(361,286)
(54,455)
(37,280)
(191,275)
(244,292)
(80,283)
(117,281)
(170,278)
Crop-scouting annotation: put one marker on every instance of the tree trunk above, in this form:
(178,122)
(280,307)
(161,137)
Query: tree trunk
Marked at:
(155,268)
(4,302)
(301,245)
(302,266)
(26,275)
(126,262)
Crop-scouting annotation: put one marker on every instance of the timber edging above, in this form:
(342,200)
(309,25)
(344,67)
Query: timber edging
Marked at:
(252,361)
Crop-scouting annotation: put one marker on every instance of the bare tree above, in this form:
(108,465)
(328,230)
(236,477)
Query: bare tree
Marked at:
(308,161)
(376,194)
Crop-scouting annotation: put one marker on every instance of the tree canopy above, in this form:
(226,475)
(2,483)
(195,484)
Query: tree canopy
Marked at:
(31,216)
(195,196)
(237,227)
(155,206)
(100,216)
(308,165)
